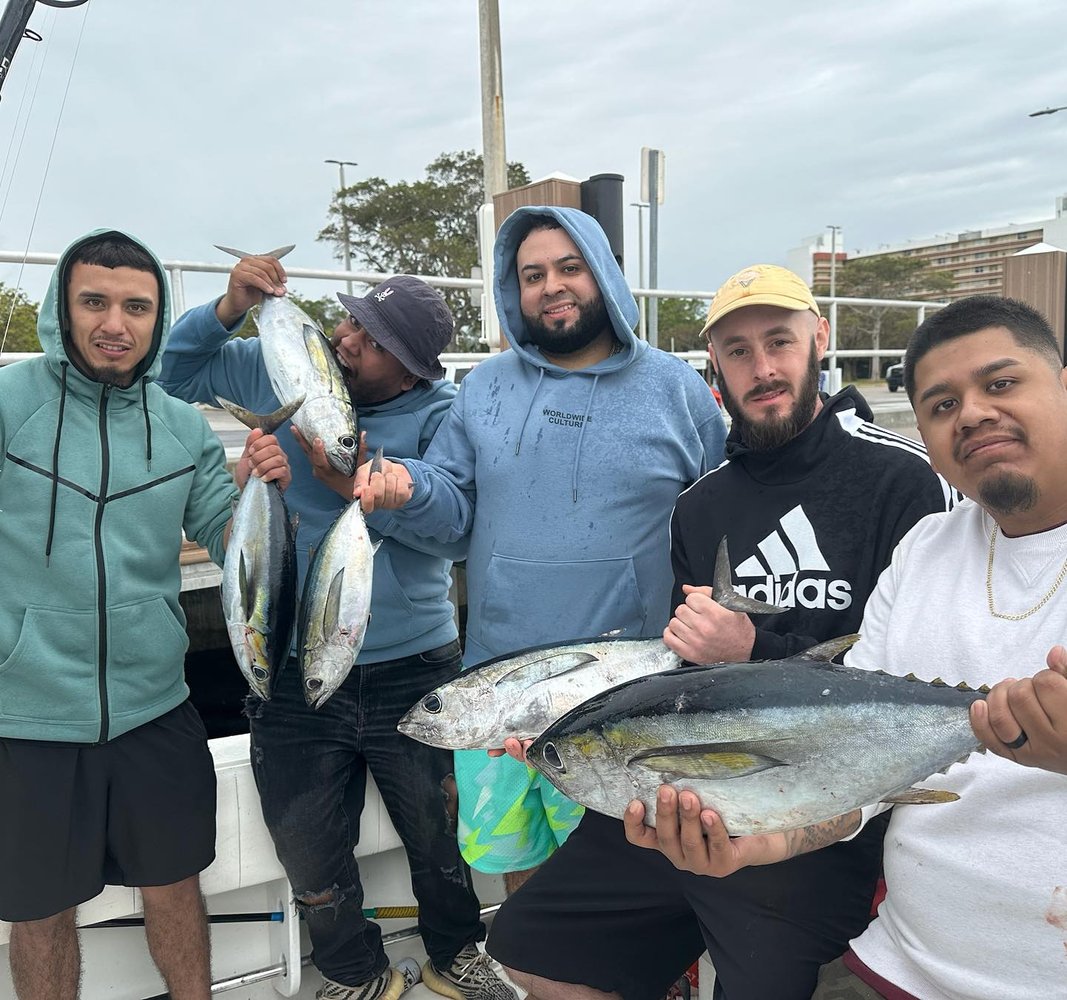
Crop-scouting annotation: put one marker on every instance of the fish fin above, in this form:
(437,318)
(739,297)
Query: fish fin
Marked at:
(331,612)
(277,254)
(613,634)
(322,358)
(549,666)
(725,595)
(712,761)
(266,422)
(244,587)
(374,548)
(376,462)
(920,797)
(826,651)
(295,521)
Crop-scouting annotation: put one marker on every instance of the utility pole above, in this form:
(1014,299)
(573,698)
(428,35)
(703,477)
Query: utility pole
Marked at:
(641,206)
(832,375)
(345,246)
(494,160)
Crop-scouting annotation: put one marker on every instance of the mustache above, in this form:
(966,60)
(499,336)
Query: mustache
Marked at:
(767,387)
(960,447)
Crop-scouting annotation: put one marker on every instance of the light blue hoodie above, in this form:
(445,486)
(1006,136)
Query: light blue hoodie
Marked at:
(563,481)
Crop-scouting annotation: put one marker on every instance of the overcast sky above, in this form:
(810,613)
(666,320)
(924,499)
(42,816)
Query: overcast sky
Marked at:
(191,122)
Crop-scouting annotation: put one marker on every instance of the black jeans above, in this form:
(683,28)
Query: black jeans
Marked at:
(311,770)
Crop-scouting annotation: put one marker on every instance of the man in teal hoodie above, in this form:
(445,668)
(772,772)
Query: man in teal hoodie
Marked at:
(105,774)
(560,462)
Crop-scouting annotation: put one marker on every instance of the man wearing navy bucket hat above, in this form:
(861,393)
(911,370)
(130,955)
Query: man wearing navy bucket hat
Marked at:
(311,765)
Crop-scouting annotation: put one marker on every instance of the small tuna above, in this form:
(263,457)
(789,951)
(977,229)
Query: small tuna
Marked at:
(335,609)
(520,694)
(300,363)
(770,745)
(259,572)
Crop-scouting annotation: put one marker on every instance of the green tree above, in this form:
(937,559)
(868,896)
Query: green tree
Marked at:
(895,276)
(679,324)
(18,321)
(420,227)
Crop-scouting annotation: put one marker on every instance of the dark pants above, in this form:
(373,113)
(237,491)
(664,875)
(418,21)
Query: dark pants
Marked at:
(624,919)
(311,769)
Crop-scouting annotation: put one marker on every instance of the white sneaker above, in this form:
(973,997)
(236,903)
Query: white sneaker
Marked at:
(388,986)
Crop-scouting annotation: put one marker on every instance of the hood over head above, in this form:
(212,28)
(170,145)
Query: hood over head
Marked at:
(53,321)
(591,241)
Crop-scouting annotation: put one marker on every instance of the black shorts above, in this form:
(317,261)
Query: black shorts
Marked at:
(603,913)
(137,811)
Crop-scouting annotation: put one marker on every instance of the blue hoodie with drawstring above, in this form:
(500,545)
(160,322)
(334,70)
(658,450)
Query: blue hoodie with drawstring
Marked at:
(563,481)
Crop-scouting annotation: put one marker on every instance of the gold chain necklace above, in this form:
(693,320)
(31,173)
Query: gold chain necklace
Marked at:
(989,584)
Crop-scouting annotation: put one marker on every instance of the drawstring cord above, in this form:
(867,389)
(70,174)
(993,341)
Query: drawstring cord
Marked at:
(533,397)
(147,421)
(55,465)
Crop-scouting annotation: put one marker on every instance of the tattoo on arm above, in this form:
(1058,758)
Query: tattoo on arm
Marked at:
(812,838)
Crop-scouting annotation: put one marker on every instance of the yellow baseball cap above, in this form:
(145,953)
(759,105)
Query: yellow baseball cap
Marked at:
(760,285)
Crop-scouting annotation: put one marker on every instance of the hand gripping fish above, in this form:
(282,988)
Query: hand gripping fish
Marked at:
(770,746)
(259,572)
(522,693)
(300,364)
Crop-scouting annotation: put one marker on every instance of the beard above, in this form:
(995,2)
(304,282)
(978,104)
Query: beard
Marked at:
(1007,493)
(554,338)
(773,431)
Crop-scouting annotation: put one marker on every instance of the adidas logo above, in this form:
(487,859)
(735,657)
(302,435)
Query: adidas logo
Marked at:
(787,552)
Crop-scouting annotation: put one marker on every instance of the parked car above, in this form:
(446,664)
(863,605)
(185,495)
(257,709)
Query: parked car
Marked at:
(894,377)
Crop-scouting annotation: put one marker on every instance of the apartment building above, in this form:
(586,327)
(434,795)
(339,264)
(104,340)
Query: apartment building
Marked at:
(975,259)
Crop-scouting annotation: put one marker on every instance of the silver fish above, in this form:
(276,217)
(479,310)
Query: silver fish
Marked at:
(770,746)
(335,609)
(299,362)
(259,572)
(520,694)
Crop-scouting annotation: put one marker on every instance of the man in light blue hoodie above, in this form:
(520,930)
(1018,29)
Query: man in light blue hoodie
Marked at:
(559,462)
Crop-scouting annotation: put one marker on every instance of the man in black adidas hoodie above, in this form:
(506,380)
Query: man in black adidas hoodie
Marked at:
(813,498)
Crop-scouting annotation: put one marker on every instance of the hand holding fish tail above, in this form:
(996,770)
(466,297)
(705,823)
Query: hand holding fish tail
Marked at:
(263,458)
(1025,720)
(385,489)
(321,467)
(703,631)
(250,280)
(695,840)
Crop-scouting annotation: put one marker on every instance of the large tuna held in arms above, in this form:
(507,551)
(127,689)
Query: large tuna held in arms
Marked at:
(770,746)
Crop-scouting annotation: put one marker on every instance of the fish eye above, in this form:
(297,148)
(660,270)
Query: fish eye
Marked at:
(313,683)
(260,673)
(432,704)
(552,758)
(347,441)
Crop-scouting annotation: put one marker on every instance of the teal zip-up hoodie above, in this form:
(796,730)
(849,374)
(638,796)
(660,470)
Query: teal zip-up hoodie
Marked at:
(96,486)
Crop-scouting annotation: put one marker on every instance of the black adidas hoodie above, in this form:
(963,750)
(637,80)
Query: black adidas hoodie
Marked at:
(810,525)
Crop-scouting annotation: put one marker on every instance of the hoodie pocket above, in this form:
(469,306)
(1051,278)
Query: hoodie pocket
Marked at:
(531,602)
(146,661)
(51,672)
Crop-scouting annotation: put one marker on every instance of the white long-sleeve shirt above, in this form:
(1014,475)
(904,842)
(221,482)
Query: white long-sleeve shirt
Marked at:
(977,889)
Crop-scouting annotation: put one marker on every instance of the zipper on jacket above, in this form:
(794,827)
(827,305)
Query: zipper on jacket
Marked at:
(101,590)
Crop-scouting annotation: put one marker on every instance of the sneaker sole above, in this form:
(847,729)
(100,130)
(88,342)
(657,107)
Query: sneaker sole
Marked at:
(436,982)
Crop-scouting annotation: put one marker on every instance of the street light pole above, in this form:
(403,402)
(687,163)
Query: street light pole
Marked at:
(832,376)
(641,206)
(345,251)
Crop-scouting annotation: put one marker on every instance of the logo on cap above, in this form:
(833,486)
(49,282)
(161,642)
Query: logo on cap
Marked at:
(383,295)
(745,278)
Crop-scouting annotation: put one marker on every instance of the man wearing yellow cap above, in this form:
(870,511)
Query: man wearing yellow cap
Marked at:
(813,498)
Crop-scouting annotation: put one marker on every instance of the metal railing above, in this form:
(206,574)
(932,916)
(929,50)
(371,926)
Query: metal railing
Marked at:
(178,269)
